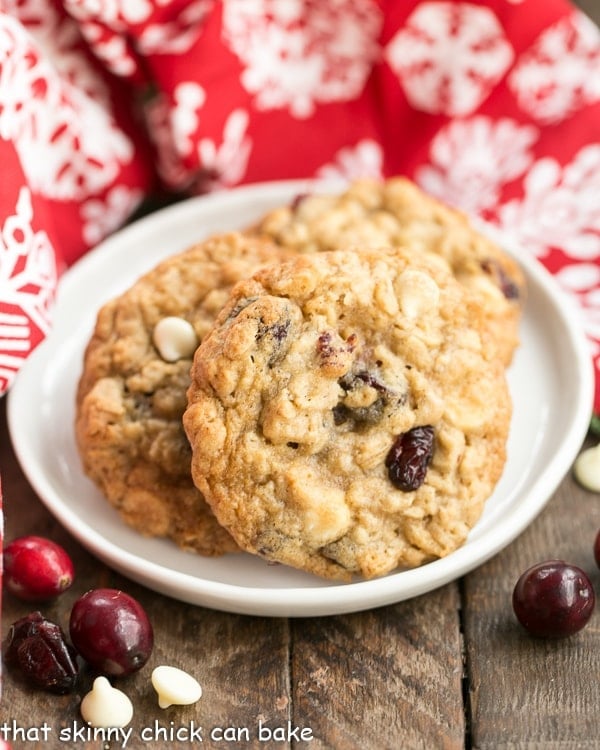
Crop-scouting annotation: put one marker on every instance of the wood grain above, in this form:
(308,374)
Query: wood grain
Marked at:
(377,678)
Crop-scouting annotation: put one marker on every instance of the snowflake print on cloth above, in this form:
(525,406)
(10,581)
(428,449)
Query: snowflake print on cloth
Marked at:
(560,208)
(365,160)
(188,97)
(120,30)
(196,165)
(59,40)
(449,56)
(561,72)
(172,121)
(101,217)
(28,277)
(225,165)
(297,55)
(54,126)
(472,159)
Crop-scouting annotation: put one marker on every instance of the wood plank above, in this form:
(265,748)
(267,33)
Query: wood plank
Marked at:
(388,678)
(526,692)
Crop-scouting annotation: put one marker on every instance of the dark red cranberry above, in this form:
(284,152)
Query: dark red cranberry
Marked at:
(111,631)
(297,201)
(39,650)
(409,458)
(597,549)
(553,599)
(36,568)
(508,287)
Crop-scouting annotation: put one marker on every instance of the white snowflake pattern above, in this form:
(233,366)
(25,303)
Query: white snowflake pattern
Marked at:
(471,160)
(108,25)
(58,38)
(28,278)
(560,208)
(175,37)
(364,160)
(296,53)
(159,124)
(171,127)
(449,56)
(225,165)
(68,143)
(188,98)
(117,14)
(560,73)
(100,217)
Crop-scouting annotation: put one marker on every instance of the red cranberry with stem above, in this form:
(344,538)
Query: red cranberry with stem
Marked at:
(111,631)
(38,649)
(553,599)
(36,569)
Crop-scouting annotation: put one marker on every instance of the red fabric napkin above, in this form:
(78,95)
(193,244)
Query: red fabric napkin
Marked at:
(494,106)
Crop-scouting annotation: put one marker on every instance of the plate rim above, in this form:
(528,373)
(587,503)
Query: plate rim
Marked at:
(297,601)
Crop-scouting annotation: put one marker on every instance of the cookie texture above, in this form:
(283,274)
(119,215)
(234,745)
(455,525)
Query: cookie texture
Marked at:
(346,413)
(397,212)
(132,390)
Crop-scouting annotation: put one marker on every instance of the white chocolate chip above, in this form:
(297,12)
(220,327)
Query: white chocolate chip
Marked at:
(419,294)
(105,706)
(174,338)
(587,468)
(175,687)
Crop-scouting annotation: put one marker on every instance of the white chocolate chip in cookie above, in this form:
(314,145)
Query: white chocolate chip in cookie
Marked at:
(587,468)
(105,706)
(323,509)
(419,294)
(175,687)
(174,338)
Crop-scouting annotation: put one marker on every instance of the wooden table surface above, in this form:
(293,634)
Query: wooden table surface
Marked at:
(450,669)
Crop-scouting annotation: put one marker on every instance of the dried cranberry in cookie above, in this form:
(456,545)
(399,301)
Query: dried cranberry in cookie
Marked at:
(345,413)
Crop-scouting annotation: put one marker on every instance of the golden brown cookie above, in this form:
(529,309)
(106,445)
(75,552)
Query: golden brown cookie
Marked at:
(132,392)
(346,414)
(397,212)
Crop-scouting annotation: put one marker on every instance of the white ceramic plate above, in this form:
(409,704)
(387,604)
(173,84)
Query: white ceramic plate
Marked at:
(550,380)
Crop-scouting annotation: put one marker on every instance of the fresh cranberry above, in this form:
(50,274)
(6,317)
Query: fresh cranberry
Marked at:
(111,631)
(597,549)
(38,649)
(36,568)
(553,599)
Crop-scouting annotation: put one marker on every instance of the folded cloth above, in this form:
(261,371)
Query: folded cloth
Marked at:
(492,106)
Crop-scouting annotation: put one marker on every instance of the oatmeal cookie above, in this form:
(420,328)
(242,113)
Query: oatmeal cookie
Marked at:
(345,414)
(397,212)
(132,391)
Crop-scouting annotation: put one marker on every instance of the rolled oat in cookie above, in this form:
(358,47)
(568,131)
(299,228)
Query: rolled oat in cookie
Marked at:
(346,413)
(132,391)
(393,212)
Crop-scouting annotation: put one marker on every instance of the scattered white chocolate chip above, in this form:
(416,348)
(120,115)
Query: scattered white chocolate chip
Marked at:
(419,294)
(587,468)
(175,687)
(174,338)
(105,706)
